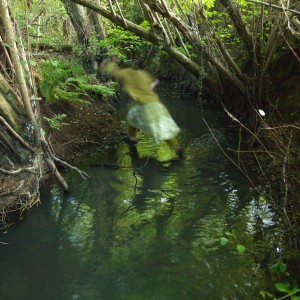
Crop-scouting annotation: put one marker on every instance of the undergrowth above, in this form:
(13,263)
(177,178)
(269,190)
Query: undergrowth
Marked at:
(63,80)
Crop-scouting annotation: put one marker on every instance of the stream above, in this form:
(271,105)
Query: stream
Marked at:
(146,227)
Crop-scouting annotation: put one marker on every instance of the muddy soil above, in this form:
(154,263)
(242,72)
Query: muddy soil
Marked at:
(89,132)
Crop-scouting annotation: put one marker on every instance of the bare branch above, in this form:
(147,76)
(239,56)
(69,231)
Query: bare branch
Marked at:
(63,163)
(216,140)
(275,6)
(15,135)
(18,171)
(121,14)
(13,191)
(286,189)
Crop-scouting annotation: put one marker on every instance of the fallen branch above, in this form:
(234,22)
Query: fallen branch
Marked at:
(57,175)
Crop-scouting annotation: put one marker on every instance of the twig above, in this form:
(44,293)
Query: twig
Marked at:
(14,191)
(78,141)
(275,6)
(247,176)
(83,174)
(247,151)
(63,163)
(112,8)
(285,198)
(121,14)
(8,144)
(279,127)
(136,181)
(246,128)
(7,56)
(291,48)
(134,174)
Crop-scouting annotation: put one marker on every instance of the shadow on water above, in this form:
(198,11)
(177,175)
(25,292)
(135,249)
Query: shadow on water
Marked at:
(148,229)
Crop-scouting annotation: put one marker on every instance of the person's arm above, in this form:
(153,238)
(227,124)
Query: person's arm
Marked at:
(109,67)
(154,84)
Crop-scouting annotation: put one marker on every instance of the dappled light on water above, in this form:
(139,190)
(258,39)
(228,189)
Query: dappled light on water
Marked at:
(146,228)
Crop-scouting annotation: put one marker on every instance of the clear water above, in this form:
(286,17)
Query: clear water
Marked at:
(145,228)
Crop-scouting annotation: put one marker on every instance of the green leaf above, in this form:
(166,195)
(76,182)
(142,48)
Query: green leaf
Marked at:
(279,267)
(54,63)
(282,267)
(240,248)
(264,294)
(33,63)
(274,268)
(295,290)
(283,287)
(262,200)
(43,132)
(223,241)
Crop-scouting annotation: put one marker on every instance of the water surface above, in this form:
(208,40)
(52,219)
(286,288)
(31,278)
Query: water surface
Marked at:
(146,227)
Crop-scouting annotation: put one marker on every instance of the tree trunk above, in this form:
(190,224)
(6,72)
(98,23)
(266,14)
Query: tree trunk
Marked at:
(96,21)
(22,161)
(10,39)
(239,23)
(79,21)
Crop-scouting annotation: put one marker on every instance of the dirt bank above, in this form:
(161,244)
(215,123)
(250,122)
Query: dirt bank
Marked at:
(89,131)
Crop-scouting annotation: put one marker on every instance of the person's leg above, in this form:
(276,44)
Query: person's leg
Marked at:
(175,145)
(132,132)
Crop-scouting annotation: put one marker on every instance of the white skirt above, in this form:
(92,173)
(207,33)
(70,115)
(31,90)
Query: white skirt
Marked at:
(153,119)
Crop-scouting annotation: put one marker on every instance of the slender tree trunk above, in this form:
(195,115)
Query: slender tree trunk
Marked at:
(96,21)
(79,21)
(239,23)
(10,39)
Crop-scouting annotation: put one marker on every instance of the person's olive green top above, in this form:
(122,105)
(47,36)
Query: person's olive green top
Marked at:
(136,83)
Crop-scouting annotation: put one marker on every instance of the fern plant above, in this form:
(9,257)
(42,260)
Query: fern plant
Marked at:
(56,121)
(62,80)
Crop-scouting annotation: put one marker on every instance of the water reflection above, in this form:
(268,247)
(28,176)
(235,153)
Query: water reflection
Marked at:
(148,229)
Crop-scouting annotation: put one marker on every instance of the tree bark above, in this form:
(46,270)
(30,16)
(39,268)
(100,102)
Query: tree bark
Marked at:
(79,21)
(96,21)
(9,31)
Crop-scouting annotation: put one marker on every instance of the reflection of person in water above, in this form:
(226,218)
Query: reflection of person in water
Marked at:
(149,115)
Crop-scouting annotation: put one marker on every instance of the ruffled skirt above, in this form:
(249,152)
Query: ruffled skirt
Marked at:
(153,119)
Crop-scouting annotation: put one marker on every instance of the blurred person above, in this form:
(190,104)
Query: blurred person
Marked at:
(149,114)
